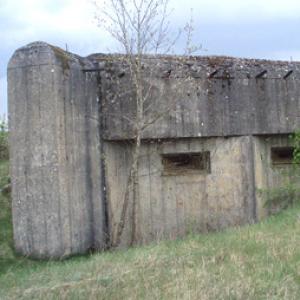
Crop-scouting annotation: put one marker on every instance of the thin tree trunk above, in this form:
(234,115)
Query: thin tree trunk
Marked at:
(132,185)
(135,192)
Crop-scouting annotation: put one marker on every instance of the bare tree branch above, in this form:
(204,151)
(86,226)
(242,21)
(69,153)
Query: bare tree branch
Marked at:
(141,27)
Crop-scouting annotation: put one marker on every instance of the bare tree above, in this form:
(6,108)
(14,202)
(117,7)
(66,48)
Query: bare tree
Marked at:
(141,28)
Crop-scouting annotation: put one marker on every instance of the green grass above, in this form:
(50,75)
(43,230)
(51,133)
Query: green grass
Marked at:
(6,254)
(261,261)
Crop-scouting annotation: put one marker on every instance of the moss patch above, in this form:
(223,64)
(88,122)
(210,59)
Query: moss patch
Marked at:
(63,57)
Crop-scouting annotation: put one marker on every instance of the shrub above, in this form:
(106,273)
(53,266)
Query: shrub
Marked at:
(3,140)
(282,197)
(296,143)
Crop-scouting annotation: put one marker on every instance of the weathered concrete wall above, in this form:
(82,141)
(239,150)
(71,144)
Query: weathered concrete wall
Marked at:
(267,174)
(58,142)
(170,206)
(234,101)
(55,153)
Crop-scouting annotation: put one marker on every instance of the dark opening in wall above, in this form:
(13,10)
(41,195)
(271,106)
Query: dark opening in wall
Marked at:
(282,155)
(186,163)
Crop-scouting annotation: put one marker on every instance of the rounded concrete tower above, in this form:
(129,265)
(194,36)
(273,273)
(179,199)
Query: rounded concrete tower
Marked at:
(55,153)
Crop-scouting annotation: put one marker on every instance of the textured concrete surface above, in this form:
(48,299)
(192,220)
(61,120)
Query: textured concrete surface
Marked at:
(267,174)
(172,206)
(55,153)
(198,102)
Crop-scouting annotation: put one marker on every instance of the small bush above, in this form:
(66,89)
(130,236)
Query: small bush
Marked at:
(281,197)
(3,140)
(296,143)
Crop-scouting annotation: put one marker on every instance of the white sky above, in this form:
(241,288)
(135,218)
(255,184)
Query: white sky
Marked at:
(245,28)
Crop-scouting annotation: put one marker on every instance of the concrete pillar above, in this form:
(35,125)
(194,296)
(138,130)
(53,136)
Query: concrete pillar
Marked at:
(55,153)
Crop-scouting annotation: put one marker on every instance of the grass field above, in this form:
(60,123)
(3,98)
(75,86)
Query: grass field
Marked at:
(261,261)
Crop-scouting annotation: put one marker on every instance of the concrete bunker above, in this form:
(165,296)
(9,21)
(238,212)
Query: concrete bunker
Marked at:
(200,166)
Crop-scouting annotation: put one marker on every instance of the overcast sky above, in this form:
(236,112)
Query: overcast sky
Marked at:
(244,28)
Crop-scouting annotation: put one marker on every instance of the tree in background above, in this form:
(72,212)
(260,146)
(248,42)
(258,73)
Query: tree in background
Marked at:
(141,28)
